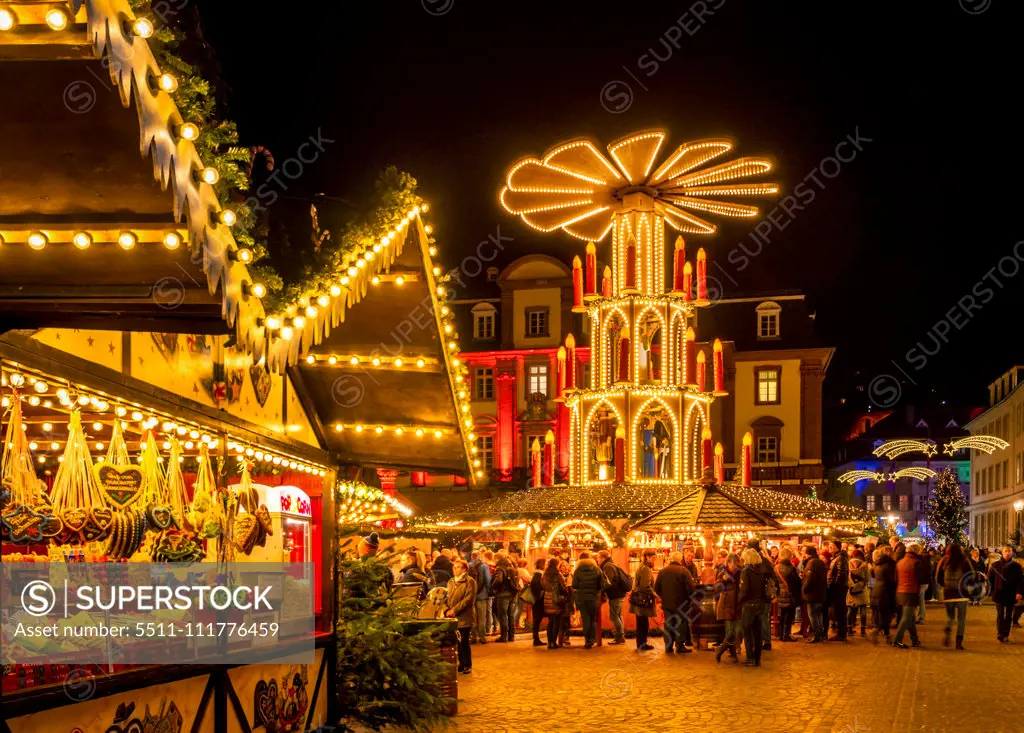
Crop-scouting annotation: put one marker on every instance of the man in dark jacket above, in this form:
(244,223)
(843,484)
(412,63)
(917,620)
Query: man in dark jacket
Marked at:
(674,586)
(768,569)
(814,588)
(754,604)
(1007,583)
(587,583)
(883,594)
(537,590)
(689,553)
(838,583)
(615,592)
(505,587)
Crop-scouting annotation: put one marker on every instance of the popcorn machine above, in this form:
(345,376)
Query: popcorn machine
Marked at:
(292,522)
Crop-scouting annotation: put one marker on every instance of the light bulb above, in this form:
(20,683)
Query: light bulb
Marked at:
(227,217)
(127,241)
(209,175)
(311,311)
(142,27)
(299,322)
(323,301)
(167,82)
(287,333)
(7,19)
(399,280)
(82,240)
(188,131)
(37,240)
(258,290)
(57,19)
(243,255)
(172,240)
(398,362)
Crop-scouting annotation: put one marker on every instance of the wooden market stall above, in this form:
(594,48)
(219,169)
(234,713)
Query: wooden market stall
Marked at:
(139,322)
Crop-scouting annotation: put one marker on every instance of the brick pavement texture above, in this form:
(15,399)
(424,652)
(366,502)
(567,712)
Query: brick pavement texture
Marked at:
(852,687)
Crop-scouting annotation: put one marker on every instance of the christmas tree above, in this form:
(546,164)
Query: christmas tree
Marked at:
(947,509)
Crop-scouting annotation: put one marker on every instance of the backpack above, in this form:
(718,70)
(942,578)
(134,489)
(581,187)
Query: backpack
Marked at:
(622,583)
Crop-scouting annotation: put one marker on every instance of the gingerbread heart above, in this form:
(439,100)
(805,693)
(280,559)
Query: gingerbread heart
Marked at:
(263,516)
(123,486)
(245,531)
(53,526)
(160,517)
(101,517)
(74,518)
(265,699)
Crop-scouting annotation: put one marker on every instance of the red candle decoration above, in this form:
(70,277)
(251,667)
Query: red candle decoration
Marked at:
(687,282)
(606,283)
(719,368)
(702,370)
(631,264)
(577,286)
(561,374)
(535,464)
(620,455)
(706,450)
(549,458)
(702,277)
(680,266)
(591,275)
(690,358)
(570,362)
(624,355)
(745,467)
(719,464)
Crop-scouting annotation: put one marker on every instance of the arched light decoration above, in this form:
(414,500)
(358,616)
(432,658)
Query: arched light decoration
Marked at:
(554,531)
(576,188)
(893,448)
(987,443)
(357,502)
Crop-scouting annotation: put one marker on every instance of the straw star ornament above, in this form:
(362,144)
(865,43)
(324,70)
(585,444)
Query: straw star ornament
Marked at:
(576,188)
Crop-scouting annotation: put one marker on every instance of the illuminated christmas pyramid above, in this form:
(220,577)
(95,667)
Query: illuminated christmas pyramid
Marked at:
(643,418)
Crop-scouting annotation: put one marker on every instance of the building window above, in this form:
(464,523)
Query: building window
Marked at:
(768,449)
(886,503)
(492,274)
(904,503)
(768,320)
(484,317)
(537,321)
(869,502)
(766,385)
(537,379)
(485,451)
(484,383)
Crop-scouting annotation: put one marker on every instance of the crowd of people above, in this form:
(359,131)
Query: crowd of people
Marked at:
(820,596)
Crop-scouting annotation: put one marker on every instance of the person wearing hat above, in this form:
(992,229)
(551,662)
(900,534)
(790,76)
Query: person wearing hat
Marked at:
(369,545)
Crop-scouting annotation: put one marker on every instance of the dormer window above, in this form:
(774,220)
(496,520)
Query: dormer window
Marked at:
(768,320)
(483,321)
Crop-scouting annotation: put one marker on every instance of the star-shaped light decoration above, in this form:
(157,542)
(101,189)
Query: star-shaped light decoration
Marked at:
(893,448)
(578,189)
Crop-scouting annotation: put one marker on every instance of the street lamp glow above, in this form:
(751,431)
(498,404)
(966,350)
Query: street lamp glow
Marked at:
(1018,506)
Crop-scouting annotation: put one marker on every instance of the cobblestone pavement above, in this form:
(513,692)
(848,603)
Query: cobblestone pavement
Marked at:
(854,687)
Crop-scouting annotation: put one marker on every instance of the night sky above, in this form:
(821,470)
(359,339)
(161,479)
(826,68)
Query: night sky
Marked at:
(454,91)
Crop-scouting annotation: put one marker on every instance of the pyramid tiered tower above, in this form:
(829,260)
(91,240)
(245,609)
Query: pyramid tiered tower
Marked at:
(643,417)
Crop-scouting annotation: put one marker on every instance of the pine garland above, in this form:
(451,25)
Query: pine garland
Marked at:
(946,509)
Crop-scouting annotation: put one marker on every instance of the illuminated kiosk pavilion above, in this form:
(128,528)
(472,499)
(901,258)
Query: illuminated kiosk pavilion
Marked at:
(637,437)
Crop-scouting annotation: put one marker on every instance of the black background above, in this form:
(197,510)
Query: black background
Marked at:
(884,252)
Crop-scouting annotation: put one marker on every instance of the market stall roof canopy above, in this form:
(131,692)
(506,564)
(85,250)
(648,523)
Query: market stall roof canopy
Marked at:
(659,506)
(732,506)
(383,382)
(105,212)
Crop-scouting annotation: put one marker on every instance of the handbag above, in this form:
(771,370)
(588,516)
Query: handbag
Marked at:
(526,595)
(642,598)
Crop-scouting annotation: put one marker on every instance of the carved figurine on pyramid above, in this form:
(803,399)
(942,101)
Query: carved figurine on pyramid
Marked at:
(648,371)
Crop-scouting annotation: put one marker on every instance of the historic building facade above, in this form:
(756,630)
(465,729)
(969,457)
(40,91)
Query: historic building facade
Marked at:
(774,372)
(999,476)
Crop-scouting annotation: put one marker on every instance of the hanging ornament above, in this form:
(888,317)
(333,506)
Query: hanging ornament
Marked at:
(177,494)
(78,498)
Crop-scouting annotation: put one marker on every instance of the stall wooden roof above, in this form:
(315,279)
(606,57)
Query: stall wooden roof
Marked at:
(398,325)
